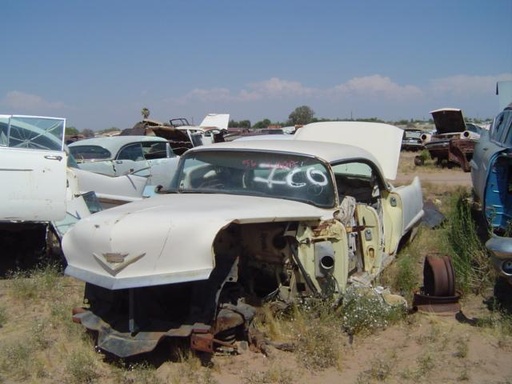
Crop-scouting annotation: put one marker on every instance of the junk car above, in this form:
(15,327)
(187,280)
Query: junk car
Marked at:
(147,156)
(454,140)
(411,140)
(243,222)
(491,175)
(39,195)
(181,134)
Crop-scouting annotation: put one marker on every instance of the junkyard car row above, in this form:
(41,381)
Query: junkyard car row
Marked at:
(189,243)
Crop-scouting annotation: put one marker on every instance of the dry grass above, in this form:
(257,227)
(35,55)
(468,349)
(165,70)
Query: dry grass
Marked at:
(40,344)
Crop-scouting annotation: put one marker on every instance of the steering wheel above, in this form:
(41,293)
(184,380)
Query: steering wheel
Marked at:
(212,183)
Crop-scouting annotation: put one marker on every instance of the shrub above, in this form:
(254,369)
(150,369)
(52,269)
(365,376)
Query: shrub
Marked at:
(469,257)
(365,311)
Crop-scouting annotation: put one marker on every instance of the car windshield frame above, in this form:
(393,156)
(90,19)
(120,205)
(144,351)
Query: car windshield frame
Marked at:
(32,132)
(279,175)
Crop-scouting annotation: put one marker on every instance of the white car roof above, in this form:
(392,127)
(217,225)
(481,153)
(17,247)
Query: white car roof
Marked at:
(329,152)
(280,136)
(114,143)
(339,140)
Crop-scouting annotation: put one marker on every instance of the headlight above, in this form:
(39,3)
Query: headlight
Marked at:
(507,267)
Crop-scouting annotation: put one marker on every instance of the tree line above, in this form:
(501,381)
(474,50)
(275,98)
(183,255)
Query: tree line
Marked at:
(299,116)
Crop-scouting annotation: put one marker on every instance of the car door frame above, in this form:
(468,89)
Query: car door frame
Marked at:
(34,178)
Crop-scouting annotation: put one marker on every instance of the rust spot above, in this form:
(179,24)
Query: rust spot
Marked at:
(201,342)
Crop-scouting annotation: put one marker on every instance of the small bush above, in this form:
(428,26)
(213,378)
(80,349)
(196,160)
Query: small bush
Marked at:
(407,278)
(315,347)
(379,371)
(80,368)
(365,311)
(16,360)
(39,283)
(469,257)
(499,321)
(274,375)
(139,373)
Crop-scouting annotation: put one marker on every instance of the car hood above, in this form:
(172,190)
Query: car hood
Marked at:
(165,239)
(383,141)
(448,120)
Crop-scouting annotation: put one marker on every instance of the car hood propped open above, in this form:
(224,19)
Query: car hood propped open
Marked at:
(448,120)
(383,141)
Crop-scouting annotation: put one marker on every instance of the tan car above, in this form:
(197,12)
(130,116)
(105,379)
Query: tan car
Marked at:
(243,222)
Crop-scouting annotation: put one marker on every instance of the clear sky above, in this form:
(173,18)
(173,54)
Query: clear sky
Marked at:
(99,62)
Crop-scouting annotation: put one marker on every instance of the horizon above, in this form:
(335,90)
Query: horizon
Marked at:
(97,64)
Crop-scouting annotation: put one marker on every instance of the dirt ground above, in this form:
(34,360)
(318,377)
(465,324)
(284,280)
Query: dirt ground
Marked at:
(430,175)
(425,348)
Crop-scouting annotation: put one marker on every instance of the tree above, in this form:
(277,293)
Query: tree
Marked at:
(239,124)
(262,124)
(88,133)
(71,131)
(244,124)
(301,116)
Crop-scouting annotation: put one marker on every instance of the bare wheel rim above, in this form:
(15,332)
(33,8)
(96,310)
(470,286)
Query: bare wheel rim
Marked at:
(438,277)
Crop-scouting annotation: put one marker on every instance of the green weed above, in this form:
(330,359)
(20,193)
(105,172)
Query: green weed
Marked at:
(39,283)
(81,368)
(468,254)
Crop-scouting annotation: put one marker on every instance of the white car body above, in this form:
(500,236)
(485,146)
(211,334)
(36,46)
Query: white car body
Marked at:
(127,155)
(43,192)
(36,183)
(33,168)
(112,191)
(287,218)
(39,194)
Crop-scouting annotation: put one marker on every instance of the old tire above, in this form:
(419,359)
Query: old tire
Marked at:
(438,276)
(418,160)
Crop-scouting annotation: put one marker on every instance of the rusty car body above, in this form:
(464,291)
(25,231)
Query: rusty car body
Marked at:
(454,140)
(243,222)
(182,135)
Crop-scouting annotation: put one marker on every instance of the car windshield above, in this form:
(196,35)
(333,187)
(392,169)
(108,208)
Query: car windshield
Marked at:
(32,132)
(502,128)
(277,175)
(89,152)
(412,134)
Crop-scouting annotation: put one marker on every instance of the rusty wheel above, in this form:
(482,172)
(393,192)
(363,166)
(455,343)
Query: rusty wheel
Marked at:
(438,276)
(451,276)
(418,160)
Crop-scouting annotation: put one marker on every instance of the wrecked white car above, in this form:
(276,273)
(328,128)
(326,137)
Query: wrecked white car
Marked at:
(39,197)
(44,192)
(147,156)
(243,222)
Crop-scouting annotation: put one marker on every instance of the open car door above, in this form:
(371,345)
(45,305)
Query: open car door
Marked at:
(32,168)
